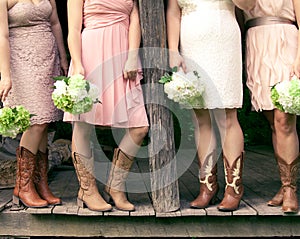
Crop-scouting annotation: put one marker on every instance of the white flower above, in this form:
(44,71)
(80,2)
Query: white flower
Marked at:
(285,96)
(186,89)
(74,94)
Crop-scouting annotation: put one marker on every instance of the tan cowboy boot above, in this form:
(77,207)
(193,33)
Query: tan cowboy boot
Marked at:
(88,194)
(208,183)
(41,179)
(277,200)
(234,188)
(25,191)
(288,175)
(115,187)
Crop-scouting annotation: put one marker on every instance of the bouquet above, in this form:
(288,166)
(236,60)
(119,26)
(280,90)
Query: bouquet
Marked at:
(74,94)
(186,89)
(14,121)
(285,96)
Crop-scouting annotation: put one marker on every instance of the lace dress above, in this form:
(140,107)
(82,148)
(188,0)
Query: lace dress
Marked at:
(34,60)
(104,53)
(210,42)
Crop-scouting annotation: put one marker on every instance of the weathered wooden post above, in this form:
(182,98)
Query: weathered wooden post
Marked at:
(164,184)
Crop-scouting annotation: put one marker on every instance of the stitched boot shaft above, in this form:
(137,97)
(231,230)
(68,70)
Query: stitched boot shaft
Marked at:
(288,175)
(25,190)
(88,194)
(41,179)
(234,189)
(208,183)
(115,187)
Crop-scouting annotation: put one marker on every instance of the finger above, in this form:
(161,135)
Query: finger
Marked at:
(125,75)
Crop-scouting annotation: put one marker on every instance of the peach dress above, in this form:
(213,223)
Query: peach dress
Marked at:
(104,53)
(270,50)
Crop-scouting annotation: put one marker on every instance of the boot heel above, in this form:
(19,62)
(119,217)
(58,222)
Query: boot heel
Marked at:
(108,198)
(214,200)
(16,200)
(81,203)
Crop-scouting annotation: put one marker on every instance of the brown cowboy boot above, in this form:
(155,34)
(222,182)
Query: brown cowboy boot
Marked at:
(41,179)
(208,183)
(88,194)
(277,200)
(115,187)
(234,188)
(288,175)
(25,191)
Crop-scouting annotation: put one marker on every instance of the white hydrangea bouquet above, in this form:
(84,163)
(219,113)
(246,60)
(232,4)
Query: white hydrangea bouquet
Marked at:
(14,120)
(74,94)
(184,88)
(285,95)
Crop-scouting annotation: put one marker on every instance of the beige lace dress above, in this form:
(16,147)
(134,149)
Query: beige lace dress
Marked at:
(34,60)
(211,44)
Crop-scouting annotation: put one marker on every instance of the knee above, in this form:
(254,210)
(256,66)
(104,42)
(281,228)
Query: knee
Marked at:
(39,128)
(143,131)
(284,125)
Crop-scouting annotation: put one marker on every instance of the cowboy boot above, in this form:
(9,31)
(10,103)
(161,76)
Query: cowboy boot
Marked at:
(208,183)
(88,194)
(288,175)
(234,189)
(25,191)
(41,179)
(115,187)
(277,200)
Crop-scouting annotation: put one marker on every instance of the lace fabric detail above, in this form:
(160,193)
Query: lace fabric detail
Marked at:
(34,61)
(187,6)
(213,49)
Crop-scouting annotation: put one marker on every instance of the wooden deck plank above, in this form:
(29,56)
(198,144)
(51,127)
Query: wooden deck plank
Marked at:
(260,178)
(5,197)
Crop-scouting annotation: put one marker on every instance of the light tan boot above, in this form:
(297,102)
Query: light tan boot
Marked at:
(115,187)
(41,179)
(25,191)
(208,183)
(88,194)
(288,175)
(234,188)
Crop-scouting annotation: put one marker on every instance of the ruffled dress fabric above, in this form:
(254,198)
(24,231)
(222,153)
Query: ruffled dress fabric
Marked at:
(270,51)
(104,54)
(210,42)
(34,61)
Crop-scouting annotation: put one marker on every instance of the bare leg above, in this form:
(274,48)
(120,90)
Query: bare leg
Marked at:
(34,138)
(132,140)
(231,134)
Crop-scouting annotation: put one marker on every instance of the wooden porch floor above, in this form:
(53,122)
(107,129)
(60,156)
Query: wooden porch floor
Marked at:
(254,217)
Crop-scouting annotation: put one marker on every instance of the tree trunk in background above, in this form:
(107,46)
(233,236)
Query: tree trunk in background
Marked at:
(164,184)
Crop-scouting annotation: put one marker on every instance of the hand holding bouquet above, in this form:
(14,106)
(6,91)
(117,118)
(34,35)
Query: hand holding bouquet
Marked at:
(74,94)
(14,121)
(286,96)
(186,89)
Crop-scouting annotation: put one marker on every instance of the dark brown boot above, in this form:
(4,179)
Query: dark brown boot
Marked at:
(115,187)
(208,183)
(25,191)
(88,194)
(288,175)
(41,179)
(234,188)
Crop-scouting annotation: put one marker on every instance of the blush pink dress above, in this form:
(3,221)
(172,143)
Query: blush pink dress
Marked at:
(270,50)
(104,53)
